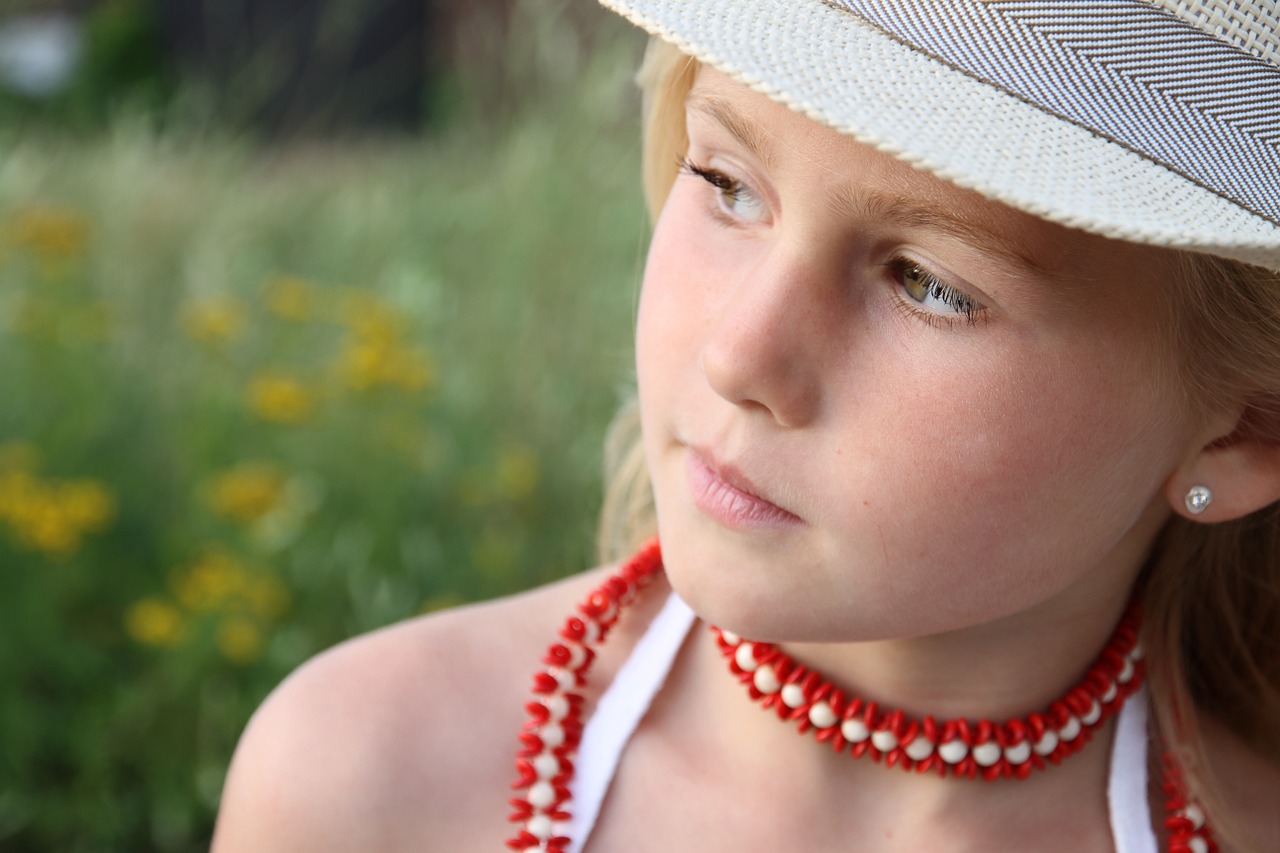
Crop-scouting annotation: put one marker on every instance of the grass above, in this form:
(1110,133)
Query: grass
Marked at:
(259,399)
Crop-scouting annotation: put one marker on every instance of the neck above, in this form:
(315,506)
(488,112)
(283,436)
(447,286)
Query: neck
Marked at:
(1010,667)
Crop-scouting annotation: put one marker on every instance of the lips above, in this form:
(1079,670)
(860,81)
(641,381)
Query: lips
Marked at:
(724,494)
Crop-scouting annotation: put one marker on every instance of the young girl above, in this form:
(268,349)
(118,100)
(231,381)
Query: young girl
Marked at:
(958,362)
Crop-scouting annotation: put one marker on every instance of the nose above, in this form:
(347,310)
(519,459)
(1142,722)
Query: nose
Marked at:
(766,352)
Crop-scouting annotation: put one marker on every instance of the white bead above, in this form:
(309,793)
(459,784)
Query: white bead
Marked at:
(793,696)
(1109,695)
(766,680)
(854,730)
(1126,672)
(1018,753)
(1194,814)
(730,637)
(987,753)
(919,749)
(953,751)
(557,706)
(744,656)
(1093,714)
(552,735)
(1137,653)
(591,632)
(884,740)
(1048,743)
(542,795)
(577,656)
(1198,844)
(821,715)
(1070,731)
(540,826)
(546,765)
(565,679)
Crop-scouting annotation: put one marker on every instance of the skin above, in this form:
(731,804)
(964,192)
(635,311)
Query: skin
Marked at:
(945,511)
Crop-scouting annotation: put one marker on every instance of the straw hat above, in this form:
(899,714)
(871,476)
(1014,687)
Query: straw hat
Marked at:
(1156,121)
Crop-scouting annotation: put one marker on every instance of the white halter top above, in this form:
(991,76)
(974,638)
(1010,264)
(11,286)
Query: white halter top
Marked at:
(640,678)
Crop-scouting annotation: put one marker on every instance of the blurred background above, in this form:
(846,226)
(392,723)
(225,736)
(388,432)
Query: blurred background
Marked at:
(312,316)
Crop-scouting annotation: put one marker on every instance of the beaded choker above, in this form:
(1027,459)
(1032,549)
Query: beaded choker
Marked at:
(1012,749)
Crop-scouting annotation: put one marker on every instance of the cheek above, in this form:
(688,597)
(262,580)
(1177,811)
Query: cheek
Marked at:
(1008,458)
(673,298)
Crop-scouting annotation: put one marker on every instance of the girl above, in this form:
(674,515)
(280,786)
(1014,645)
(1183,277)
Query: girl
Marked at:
(958,360)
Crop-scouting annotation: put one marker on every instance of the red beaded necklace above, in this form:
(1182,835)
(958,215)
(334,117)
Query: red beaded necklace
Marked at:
(1010,749)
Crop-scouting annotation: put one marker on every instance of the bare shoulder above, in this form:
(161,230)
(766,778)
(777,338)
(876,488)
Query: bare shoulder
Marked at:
(1249,785)
(399,739)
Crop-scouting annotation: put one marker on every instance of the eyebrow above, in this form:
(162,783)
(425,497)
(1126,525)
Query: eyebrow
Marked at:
(894,209)
(727,116)
(906,212)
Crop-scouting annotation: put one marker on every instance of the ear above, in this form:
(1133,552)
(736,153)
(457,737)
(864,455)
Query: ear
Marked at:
(1241,469)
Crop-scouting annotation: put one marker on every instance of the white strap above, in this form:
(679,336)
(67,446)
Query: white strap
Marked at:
(625,702)
(1127,783)
(618,713)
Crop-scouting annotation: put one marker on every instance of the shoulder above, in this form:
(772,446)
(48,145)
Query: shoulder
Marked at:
(387,741)
(1248,787)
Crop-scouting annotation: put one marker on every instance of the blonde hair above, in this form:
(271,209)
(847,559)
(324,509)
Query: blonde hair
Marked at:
(1211,595)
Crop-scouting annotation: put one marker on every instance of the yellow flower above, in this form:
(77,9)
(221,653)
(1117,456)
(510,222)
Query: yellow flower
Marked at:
(87,504)
(279,398)
(51,233)
(154,622)
(289,297)
(50,516)
(214,579)
(247,492)
(517,472)
(215,320)
(240,639)
(371,362)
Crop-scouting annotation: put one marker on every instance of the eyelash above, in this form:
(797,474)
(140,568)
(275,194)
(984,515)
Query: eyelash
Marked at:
(965,307)
(729,188)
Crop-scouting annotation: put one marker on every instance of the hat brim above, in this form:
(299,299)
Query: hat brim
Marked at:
(839,70)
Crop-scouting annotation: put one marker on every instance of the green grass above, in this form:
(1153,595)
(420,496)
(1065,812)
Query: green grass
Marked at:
(258,400)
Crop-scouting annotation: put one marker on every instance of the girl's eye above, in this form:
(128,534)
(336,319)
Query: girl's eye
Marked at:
(940,300)
(737,202)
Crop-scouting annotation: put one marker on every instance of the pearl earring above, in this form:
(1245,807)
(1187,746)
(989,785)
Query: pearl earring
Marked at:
(1198,499)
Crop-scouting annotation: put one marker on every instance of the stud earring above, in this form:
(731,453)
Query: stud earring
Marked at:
(1198,499)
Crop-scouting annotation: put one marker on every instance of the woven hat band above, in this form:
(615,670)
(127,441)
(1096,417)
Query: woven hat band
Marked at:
(1124,69)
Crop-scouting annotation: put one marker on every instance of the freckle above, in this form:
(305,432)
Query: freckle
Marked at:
(866,503)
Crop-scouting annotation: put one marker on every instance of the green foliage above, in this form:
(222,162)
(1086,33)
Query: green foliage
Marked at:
(257,401)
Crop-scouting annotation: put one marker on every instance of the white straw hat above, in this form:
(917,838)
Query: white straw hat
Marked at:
(1156,121)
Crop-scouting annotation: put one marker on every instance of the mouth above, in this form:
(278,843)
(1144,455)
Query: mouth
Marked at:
(726,495)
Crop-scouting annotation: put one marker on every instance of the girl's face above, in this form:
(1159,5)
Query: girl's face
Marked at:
(876,405)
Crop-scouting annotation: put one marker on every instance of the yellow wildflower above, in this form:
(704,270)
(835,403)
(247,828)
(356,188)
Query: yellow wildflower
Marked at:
(51,233)
(87,504)
(53,517)
(289,297)
(215,320)
(247,492)
(154,622)
(371,362)
(240,639)
(517,472)
(214,578)
(279,398)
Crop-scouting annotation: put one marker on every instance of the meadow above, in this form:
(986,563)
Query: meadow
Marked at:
(258,398)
